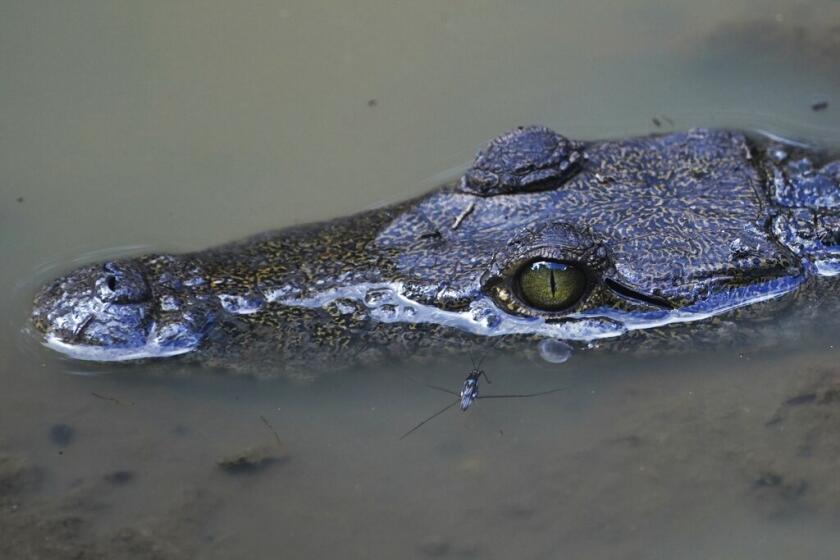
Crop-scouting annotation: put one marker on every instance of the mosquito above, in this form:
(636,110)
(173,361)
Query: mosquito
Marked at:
(469,394)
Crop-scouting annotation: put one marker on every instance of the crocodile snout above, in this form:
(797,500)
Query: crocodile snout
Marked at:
(96,306)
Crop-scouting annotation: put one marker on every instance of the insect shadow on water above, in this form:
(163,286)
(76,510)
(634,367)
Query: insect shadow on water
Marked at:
(469,393)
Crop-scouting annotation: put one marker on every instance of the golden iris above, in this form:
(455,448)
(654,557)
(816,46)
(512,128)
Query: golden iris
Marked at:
(551,285)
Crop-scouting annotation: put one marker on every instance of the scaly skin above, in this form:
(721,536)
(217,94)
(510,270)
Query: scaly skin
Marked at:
(679,235)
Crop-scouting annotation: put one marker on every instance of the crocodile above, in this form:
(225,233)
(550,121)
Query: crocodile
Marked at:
(543,245)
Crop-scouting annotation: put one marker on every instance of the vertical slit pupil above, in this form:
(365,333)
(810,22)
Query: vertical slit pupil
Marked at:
(551,285)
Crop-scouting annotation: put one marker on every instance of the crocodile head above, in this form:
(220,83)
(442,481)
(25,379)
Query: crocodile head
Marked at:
(542,240)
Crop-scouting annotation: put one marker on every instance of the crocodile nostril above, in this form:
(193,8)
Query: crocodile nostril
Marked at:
(122,282)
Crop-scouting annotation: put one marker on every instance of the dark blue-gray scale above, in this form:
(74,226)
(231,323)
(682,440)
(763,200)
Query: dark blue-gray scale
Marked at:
(659,203)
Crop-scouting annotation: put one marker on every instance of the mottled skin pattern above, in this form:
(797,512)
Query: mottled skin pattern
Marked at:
(679,236)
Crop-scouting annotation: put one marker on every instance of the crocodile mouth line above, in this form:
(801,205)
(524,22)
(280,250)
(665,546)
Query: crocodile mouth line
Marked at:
(630,293)
(151,349)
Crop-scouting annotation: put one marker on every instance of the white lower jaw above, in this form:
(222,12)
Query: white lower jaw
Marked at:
(152,349)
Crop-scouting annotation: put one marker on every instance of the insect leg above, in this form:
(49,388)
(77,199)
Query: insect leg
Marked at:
(435,415)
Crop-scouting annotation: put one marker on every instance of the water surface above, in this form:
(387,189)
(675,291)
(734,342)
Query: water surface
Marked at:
(179,125)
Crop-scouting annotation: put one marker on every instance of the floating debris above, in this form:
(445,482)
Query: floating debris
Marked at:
(272,430)
(120,477)
(462,216)
(657,121)
(112,399)
(252,459)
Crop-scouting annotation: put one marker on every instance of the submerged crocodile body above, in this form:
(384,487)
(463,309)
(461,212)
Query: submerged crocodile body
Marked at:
(543,242)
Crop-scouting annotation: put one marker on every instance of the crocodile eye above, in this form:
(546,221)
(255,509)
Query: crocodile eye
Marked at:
(551,285)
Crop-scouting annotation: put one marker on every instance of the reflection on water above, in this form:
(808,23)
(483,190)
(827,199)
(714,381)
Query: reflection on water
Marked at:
(184,125)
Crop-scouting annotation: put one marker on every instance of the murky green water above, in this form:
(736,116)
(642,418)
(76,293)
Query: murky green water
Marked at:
(178,125)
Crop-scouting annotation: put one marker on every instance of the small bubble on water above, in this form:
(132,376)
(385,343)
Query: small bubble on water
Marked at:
(778,155)
(554,351)
(345,306)
(388,311)
(486,318)
(378,296)
(241,305)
